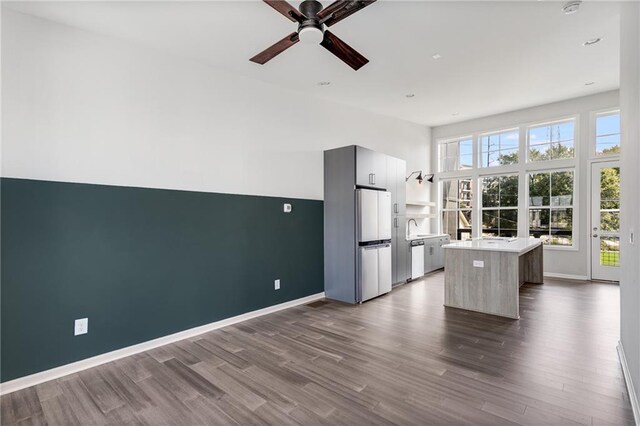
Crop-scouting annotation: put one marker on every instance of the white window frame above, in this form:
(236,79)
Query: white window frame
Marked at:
(522,169)
(497,132)
(574,119)
(482,207)
(444,142)
(473,201)
(593,136)
(574,205)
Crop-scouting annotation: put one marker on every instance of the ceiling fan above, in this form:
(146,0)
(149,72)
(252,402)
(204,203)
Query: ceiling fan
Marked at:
(312,19)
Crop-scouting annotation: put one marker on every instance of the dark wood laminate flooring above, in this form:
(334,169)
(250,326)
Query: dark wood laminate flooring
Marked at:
(399,359)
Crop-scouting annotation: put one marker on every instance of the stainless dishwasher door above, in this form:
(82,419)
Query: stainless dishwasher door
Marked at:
(417,259)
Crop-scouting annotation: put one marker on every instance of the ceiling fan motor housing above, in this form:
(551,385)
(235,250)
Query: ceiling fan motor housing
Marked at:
(310,30)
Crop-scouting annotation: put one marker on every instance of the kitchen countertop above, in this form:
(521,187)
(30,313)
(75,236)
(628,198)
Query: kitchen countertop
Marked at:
(425,236)
(520,245)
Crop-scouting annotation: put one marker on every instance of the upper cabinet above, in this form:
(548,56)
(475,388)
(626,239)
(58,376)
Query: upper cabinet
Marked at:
(371,168)
(396,170)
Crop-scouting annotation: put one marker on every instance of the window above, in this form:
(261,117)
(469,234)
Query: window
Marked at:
(551,141)
(500,206)
(551,207)
(457,196)
(456,155)
(608,133)
(498,149)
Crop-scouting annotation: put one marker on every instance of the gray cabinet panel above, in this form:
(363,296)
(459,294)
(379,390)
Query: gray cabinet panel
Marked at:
(429,255)
(371,168)
(434,253)
(396,170)
(401,186)
(340,254)
(401,261)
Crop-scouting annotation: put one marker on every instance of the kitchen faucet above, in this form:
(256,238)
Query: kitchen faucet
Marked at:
(409,226)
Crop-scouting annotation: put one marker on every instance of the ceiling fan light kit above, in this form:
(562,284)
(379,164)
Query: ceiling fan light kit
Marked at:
(312,21)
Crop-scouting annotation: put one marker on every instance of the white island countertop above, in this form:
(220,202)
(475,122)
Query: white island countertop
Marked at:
(518,245)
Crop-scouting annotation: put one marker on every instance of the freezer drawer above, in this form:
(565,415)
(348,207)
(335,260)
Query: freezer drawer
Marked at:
(375,271)
(384,269)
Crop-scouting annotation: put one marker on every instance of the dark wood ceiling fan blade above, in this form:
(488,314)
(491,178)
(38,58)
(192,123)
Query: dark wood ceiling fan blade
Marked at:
(342,50)
(332,8)
(341,9)
(276,49)
(286,9)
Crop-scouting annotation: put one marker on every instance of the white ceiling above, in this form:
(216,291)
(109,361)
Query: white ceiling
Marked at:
(496,56)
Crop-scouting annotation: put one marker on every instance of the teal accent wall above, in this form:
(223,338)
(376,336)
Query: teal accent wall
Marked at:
(141,264)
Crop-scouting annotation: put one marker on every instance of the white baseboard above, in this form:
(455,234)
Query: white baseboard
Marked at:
(566,276)
(74,367)
(627,379)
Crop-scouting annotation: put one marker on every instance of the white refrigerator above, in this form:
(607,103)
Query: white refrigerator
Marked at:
(374,243)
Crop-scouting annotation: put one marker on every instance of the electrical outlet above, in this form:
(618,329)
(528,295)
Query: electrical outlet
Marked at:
(276,284)
(478,263)
(287,208)
(81,326)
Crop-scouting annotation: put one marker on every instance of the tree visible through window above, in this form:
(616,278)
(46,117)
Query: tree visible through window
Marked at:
(551,141)
(608,134)
(610,216)
(551,207)
(497,149)
(500,206)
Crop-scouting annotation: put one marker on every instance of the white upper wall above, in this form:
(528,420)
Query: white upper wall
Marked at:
(570,262)
(81,107)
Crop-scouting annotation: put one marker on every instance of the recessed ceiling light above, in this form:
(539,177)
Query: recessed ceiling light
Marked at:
(324,83)
(571,7)
(410,95)
(589,83)
(436,56)
(592,41)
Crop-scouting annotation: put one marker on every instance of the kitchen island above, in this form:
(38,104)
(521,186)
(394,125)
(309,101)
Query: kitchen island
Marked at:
(485,275)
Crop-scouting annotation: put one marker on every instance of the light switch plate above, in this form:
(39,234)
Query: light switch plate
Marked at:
(81,326)
(287,208)
(478,263)
(276,284)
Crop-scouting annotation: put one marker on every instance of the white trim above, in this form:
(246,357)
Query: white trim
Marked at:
(74,367)
(566,276)
(627,379)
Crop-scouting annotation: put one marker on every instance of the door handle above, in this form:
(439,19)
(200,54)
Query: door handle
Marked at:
(395,222)
(372,178)
(395,207)
(595,235)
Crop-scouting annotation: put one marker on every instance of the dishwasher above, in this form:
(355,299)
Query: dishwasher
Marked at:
(417,259)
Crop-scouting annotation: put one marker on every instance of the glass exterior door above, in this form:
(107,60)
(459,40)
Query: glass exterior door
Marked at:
(605,221)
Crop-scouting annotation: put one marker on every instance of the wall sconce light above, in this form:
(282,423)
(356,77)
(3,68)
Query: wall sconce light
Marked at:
(420,178)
